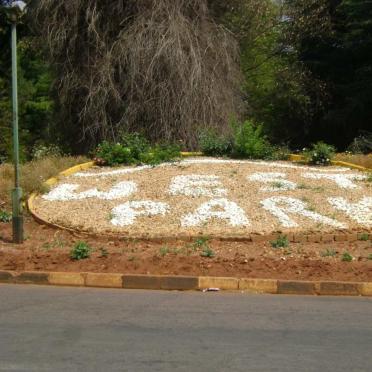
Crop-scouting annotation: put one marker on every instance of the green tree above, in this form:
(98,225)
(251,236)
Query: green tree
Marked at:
(333,41)
(35,102)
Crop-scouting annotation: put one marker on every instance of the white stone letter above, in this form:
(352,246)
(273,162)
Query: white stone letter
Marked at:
(279,206)
(126,214)
(342,180)
(197,185)
(275,180)
(360,212)
(230,212)
(68,192)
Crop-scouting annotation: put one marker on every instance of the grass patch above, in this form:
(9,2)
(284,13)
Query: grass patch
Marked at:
(328,253)
(104,252)
(207,252)
(34,174)
(5,216)
(346,257)
(358,159)
(281,242)
(80,251)
(200,242)
(363,237)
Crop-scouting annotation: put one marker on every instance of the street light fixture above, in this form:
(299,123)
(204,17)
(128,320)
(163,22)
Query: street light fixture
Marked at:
(14,11)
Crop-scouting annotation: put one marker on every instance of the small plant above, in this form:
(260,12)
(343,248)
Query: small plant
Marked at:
(5,216)
(328,253)
(200,242)
(212,144)
(81,251)
(280,242)
(135,149)
(250,142)
(281,153)
(43,151)
(207,252)
(363,237)
(346,257)
(104,252)
(303,186)
(320,154)
(278,185)
(164,251)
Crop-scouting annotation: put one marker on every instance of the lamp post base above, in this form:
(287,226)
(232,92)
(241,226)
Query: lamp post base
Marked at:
(18,229)
(17,218)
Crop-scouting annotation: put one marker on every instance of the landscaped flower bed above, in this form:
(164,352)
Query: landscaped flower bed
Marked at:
(209,196)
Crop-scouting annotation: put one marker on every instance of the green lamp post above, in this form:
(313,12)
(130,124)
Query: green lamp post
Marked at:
(15,10)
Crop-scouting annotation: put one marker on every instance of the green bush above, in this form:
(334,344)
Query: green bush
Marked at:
(281,242)
(281,153)
(320,154)
(160,154)
(212,144)
(80,251)
(346,257)
(5,216)
(250,142)
(135,149)
(44,151)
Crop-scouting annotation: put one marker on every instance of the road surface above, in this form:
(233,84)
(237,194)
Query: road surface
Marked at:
(79,329)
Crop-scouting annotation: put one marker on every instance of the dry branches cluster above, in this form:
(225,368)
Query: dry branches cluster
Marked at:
(162,67)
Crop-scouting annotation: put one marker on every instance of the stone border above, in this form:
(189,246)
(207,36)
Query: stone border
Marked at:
(301,237)
(188,283)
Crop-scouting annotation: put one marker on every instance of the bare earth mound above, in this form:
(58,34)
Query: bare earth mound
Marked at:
(212,197)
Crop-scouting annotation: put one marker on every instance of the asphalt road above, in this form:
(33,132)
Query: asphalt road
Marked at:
(77,329)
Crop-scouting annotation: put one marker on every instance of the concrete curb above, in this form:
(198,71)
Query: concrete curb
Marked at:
(300,158)
(188,283)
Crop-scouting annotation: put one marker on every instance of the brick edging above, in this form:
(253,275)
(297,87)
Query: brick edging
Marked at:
(183,283)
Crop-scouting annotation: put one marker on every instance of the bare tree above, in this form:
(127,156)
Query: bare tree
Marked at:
(162,67)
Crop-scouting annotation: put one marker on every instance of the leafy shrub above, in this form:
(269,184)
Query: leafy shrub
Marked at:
(207,252)
(44,151)
(363,237)
(114,154)
(320,154)
(281,242)
(281,153)
(160,154)
(346,257)
(80,251)
(5,216)
(250,142)
(362,144)
(135,149)
(212,144)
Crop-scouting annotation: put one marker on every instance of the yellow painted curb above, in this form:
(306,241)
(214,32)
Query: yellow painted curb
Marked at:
(50,182)
(104,280)
(181,283)
(295,158)
(258,285)
(188,154)
(350,165)
(67,279)
(217,282)
(301,158)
